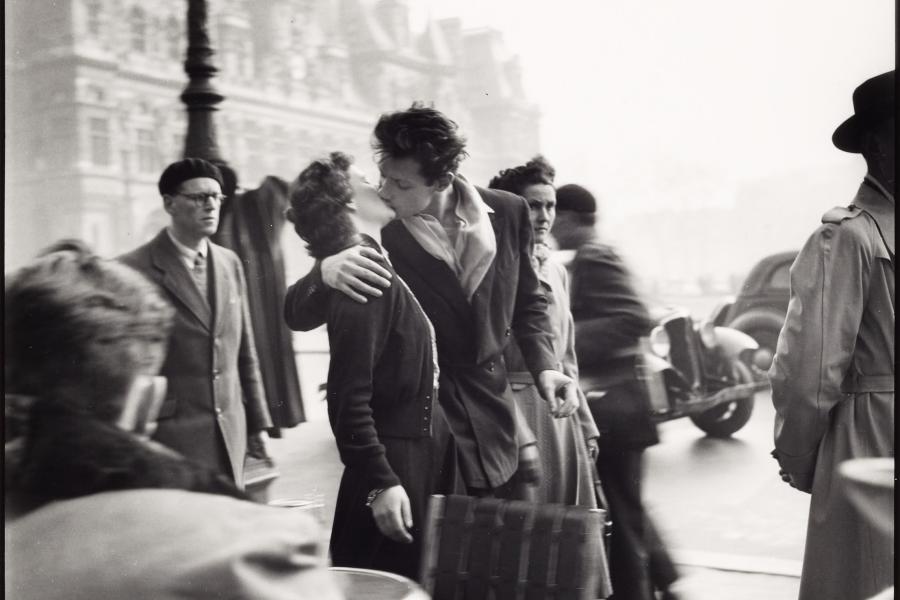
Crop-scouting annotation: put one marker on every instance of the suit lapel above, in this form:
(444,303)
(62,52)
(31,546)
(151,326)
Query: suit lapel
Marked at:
(435,272)
(481,301)
(222,285)
(177,280)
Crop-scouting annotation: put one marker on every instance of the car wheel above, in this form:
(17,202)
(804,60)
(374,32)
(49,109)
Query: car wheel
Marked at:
(723,420)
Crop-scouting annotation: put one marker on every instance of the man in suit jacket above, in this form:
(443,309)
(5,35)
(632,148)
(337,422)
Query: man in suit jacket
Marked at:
(464,252)
(215,404)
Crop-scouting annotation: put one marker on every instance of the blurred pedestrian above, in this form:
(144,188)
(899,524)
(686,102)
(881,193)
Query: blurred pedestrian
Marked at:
(215,411)
(95,509)
(85,339)
(833,371)
(382,380)
(464,252)
(567,447)
(610,318)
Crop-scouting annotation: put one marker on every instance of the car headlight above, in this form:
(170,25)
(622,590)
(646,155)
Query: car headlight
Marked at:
(659,342)
(708,334)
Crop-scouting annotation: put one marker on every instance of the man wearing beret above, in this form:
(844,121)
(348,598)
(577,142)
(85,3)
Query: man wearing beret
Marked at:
(833,371)
(215,410)
(610,318)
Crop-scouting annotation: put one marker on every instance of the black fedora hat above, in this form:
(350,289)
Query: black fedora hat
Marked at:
(873,102)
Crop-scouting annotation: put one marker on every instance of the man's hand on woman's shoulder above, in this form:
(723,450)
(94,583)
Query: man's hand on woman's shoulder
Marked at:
(357,271)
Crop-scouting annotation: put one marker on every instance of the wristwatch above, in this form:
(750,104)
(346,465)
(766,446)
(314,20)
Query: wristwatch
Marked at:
(372,495)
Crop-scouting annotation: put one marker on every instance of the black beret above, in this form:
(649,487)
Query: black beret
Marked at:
(188,168)
(575,198)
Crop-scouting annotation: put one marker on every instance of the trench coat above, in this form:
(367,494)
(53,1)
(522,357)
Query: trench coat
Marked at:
(215,395)
(251,226)
(833,389)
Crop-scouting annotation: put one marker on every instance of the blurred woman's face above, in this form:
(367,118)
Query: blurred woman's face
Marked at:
(541,199)
(366,202)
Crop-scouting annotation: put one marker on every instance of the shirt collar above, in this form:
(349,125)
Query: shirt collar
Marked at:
(189,253)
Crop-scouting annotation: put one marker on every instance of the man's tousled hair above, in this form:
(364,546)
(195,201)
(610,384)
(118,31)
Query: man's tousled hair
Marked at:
(424,134)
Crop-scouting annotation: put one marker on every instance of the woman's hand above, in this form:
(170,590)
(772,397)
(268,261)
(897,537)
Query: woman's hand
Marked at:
(393,514)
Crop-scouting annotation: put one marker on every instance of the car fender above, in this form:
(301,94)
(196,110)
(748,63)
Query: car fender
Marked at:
(757,319)
(733,342)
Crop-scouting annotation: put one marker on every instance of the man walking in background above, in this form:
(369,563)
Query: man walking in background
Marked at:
(833,371)
(215,407)
(610,318)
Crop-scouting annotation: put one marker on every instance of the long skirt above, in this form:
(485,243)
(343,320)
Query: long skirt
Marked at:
(567,468)
(424,466)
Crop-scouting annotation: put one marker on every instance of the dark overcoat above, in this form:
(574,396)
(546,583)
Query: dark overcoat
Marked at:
(251,225)
(215,394)
(833,389)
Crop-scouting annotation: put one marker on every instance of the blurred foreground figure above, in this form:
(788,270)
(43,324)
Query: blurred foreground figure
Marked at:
(833,371)
(610,318)
(94,509)
(215,410)
(382,382)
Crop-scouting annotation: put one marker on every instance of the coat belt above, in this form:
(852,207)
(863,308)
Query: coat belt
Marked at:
(861,384)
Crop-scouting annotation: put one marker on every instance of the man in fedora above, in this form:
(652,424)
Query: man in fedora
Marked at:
(215,409)
(833,371)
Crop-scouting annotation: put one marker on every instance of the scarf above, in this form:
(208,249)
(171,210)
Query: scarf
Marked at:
(476,246)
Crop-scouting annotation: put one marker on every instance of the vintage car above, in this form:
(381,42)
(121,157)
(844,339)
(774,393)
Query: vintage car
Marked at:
(761,305)
(697,370)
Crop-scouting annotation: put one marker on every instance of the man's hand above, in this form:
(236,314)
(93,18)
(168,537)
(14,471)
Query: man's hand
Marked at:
(560,391)
(593,448)
(256,445)
(530,470)
(356,271)
(393,514)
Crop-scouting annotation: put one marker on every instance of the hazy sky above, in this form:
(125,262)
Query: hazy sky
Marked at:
(643,96)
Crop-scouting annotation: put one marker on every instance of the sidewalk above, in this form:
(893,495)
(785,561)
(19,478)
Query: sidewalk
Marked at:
(310,469)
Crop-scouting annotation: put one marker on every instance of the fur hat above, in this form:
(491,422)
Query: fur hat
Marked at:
(575,198)
(188,168)
(873,102)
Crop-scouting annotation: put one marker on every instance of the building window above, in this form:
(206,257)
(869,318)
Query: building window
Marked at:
(93,10)
(100,142)
(138,30)
(174,37)
(146,151)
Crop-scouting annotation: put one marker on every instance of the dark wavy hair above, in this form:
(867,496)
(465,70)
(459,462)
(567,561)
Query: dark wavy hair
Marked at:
(320,197)
(536,171)
(424,134)
(79,329)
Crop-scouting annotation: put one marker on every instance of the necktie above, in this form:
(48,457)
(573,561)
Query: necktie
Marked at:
(199,275)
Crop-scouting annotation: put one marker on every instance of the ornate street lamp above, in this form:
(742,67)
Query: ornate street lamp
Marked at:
(200,96)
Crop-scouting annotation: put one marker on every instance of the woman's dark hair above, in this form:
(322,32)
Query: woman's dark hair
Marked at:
(79,328)
(320,197)
(424,134)
(536,171)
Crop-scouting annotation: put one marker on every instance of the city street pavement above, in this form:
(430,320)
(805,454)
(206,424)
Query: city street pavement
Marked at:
(734,527)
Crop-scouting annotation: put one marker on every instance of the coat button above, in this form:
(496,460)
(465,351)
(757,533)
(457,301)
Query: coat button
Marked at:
(507,332)
(219,410)
(491,367)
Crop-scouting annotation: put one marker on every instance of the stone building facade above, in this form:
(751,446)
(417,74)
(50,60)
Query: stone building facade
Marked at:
(93,110)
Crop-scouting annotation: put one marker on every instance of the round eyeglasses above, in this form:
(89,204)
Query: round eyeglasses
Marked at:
(201,198)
